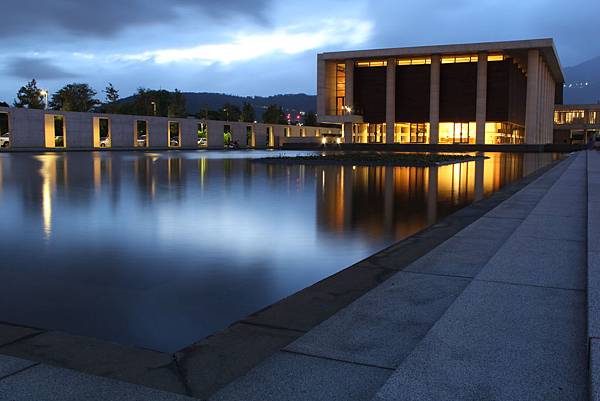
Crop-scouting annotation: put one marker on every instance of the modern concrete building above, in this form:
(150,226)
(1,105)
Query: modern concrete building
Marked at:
(576,123)
(481,93)
(25,129)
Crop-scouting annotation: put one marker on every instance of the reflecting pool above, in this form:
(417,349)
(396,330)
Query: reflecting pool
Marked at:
(162,249)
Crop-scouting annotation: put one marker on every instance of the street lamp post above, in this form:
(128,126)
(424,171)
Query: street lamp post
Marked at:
(154,107)
(44,94)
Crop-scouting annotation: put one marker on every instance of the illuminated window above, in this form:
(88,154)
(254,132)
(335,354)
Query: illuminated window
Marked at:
(459,59)
(340,88)
(368,133)
(55,131)
(411,133)
(5,138)
(141,134)
(503,133)
(102,133)
(569,117)
(496,57)
(174,134)
(457,132)
(414,61)
(593,117)
(372,63)
(202,133)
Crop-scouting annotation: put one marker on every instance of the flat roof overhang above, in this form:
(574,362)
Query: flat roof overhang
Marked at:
(546,47)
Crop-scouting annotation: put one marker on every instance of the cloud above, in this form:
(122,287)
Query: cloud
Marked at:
(108,17)
(243,47)
(38,68)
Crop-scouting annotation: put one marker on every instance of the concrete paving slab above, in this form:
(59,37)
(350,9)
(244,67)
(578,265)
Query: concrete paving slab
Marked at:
(490,228)
(45,383)
(571,228)
(293,377)
(595,369)
(541,262)
(459,256)
(500,342)
(102,358)
(513,210)
(382,327)
(312,305)
(10,365)
(218,360)
(11,333)
(593,288)
(593,226)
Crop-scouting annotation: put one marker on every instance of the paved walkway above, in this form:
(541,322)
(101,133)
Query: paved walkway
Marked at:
(499,311)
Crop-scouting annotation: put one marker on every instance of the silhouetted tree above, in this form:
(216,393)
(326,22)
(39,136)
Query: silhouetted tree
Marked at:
(231,112)
(177,105)
(3,104)
(274,115)
(248,115)
(74,97)
(310,119)
(30,96)
(112,96)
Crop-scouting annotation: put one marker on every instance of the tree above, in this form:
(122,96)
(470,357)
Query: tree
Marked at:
(274,115)
(231,112)
(30,96)
(74,97)
(3,104)
(112,97)
(177,105)
(248,115)
(310,119)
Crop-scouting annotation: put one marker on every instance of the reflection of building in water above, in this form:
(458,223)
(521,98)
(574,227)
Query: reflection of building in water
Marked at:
(54,173)
(399,201)
(102,172)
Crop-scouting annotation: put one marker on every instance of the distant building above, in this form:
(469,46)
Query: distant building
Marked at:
(482,93)
(576,123)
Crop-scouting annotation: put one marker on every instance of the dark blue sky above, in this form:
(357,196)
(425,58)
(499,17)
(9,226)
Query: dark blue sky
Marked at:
(255,47)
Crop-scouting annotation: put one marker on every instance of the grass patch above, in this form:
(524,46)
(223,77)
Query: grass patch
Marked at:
(373,159)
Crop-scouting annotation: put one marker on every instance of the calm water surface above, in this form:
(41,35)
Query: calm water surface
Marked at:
(161,249)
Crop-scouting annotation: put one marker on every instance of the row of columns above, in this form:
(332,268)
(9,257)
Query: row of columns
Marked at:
(434,96)
(539,102)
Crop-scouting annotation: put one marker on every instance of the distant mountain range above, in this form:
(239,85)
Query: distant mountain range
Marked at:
(583,82)
(290,103)
(582,86)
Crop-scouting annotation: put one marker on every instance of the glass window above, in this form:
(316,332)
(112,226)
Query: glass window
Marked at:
(340,88)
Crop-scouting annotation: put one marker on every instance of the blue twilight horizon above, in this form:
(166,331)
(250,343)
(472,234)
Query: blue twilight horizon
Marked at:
(259,47)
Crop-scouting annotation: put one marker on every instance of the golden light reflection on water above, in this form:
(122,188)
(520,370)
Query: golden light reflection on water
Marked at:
(48,173)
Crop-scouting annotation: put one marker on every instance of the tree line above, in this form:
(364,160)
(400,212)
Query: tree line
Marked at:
(145,102)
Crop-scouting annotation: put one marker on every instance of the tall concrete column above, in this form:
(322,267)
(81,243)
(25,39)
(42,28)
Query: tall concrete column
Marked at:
(531,108)
(347,132)
(321,86)
(481,107)
(390,100)
(479,177)
(432,194)
(434,101)
(349,89)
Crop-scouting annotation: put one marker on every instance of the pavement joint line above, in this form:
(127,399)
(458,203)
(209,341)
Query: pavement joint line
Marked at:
(438,274)
(531,285)
(579,241)
(181,376)
(27,337)
(269,326)
(20,371)
(369,365)
(501,218)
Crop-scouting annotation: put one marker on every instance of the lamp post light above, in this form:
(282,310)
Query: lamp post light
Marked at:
(154,107)
(44,94)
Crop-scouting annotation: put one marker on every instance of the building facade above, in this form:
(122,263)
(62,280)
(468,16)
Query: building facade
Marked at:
(482,93)
(575,124)
(28,129)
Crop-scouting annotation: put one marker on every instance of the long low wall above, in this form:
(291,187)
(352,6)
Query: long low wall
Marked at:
(35,129)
